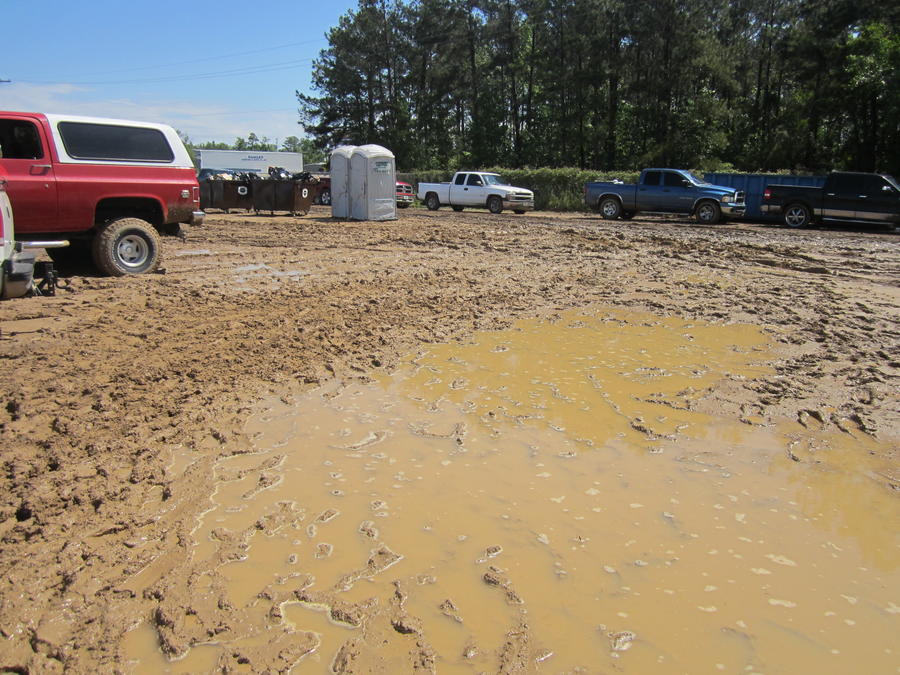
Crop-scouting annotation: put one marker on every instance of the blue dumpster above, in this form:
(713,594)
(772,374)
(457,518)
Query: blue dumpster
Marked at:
(754,184)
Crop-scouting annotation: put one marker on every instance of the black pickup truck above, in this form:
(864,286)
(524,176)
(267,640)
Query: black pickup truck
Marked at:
(868,198)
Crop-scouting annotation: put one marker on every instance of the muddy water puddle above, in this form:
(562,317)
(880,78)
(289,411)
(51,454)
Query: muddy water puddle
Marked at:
(547,496)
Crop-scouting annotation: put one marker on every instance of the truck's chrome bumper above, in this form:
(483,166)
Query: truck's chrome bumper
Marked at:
(770,209)
(197,217)
(518,204)
(733,209)
(57,243)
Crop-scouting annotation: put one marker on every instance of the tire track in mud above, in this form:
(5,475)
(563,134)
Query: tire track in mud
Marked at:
(120,394)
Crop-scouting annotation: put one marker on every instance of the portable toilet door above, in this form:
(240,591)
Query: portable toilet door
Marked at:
(373,184)
(340,181)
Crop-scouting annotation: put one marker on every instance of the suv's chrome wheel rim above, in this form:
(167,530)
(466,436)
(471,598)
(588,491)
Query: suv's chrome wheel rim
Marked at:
(132,250)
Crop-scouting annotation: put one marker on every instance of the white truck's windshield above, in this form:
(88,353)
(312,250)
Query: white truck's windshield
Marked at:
(493,179)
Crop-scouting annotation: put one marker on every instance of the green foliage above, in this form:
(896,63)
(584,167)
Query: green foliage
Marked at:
(554,189)
(252,142)
(757,85)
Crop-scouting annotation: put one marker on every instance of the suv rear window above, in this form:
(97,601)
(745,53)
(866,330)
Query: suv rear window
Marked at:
(84,140)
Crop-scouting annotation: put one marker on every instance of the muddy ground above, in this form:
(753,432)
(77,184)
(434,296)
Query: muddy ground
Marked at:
(110,380)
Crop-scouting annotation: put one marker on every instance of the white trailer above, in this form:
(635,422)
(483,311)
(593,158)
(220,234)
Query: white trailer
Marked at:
(250,161)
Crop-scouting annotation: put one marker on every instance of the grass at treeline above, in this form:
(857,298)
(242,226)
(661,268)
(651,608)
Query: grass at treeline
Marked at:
(554,189)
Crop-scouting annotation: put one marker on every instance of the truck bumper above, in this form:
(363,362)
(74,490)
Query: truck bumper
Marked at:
(770,209)
(518,204)
(736,210)
(404,198)
(197,217)
(17,275)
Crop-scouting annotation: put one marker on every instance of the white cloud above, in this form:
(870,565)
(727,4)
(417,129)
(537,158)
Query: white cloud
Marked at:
(200,121)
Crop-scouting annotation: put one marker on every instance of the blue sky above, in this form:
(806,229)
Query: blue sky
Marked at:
(215,70)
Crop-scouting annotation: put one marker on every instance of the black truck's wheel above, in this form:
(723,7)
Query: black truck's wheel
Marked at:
(126,246)
(494,204)
(325,197)
(610,208)
(432,201)
(797,215)
(708,213)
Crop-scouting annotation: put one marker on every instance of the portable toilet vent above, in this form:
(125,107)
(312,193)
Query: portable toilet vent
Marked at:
(373,184)
(340,180)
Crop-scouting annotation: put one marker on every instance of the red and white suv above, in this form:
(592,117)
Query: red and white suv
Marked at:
(110,187)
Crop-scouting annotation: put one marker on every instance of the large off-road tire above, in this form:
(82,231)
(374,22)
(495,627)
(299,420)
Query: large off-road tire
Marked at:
(457,208)
(126,246)
(494,204)
(432,201)
(708,213)
(610,208)
(325,197)
(797,215)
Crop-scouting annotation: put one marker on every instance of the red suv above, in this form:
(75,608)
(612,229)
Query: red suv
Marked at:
(110,187)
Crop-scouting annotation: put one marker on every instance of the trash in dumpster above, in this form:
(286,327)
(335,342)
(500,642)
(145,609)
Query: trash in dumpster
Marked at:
(280,190)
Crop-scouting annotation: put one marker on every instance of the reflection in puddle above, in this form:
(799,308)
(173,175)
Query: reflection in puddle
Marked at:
(550,494)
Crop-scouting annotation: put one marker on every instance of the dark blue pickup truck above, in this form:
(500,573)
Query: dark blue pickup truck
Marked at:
(846,197)
(665,191)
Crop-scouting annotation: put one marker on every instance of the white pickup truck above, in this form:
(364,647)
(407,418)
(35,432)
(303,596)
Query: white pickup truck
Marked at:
(476,188)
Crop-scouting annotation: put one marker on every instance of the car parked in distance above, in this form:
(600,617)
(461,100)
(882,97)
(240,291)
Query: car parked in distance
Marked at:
(478,189)
(846,197)
(323,191)
(405,194)
(665,191)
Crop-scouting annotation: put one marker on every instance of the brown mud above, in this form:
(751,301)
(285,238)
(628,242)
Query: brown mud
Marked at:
(125,397)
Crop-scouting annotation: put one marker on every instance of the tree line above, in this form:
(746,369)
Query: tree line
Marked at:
(750,85)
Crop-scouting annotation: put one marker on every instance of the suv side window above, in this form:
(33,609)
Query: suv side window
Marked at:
(461,179)
(19,139)
(652,177)
(84,140)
